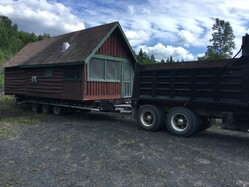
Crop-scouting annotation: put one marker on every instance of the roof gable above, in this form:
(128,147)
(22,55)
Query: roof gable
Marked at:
(83,45)
(117,26)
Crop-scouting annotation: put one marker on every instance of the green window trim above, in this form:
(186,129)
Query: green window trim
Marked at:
(105,67)
(103,80)
(127,84)
(118,59)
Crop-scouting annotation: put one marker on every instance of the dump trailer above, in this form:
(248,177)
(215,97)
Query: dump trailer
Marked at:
(187,96)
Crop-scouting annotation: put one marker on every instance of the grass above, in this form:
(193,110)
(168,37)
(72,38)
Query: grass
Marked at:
(127,142)
(62,138)
(13,116)
(11,181)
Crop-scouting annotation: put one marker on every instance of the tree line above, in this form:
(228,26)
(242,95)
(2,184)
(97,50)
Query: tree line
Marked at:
(222,45)
(12,40)
(144,58)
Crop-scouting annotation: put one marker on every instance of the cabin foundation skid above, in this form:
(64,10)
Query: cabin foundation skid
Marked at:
(121,106)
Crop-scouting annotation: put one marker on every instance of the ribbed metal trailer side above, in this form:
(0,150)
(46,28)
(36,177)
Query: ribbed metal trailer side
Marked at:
(200,90)
(195,83)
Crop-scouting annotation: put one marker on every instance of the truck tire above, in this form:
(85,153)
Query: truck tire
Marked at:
(181,121)
(35,107)
(206,123)
(46,108)
(58,110)
(150,117)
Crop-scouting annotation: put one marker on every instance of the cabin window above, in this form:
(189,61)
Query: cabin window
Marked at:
(34,79)
(97,69)
(104,70)
(72,73)
(48,72)
(127,72)
(112,70)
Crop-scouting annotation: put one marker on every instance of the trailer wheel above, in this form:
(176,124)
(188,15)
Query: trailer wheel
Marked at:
(181,121)
(46,108)
(35,107)
(58,110)
(206,123)
(150,118)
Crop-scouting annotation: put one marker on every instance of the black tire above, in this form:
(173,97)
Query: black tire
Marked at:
(150,118)
(206,123)
(46,108)
(182,122)
(58,110)
(35,107)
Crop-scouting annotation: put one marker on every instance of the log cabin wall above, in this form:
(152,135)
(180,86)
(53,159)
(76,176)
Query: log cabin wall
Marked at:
(15,81)
(73,83)
(44,82)
(114,46)
(51,82)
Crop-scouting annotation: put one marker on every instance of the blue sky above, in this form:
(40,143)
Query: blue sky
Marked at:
(165,28)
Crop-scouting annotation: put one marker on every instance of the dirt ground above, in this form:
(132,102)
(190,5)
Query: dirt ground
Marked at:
(104,149)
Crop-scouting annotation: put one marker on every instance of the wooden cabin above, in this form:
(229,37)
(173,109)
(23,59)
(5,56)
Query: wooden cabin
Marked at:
(91,64)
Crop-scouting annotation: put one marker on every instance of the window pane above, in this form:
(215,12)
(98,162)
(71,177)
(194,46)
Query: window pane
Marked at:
(48,72)
(112,70)
(96,69)
(73,72)
(127,72)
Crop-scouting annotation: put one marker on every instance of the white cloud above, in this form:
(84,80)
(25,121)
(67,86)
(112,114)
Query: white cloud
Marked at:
(186,37)
(201,55)
(131,9)
(185,23)
(41,16)
(164,52)
(5,10)
(137,37)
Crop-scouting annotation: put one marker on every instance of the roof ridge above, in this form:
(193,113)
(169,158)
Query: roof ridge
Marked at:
(75,33)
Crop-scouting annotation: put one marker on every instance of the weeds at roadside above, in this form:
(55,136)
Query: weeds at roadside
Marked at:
(8,133)
(11,181)
(13,116)
(128,142)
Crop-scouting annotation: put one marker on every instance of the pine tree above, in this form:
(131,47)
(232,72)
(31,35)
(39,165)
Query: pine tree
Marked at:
(143,58)
(222,41)
(152,58)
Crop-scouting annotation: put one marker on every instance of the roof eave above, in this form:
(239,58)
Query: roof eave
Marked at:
(56,64)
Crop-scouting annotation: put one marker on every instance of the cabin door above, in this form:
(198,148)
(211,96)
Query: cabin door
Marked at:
(127,79)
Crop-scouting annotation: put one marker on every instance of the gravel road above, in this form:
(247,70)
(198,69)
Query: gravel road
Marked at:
(104,149)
